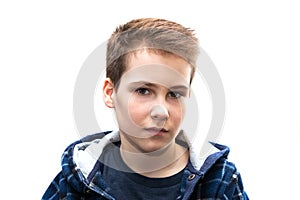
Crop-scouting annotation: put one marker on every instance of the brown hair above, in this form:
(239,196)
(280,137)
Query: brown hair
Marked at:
(156,35)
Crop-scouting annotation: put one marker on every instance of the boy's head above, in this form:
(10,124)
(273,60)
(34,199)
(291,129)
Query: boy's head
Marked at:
(150,65)
(157,36)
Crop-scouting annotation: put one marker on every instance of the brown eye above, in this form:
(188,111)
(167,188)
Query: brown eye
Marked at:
(175,95)
(142,91)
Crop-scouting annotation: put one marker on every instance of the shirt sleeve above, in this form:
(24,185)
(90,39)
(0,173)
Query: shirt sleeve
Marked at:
(53,191)
(235,189)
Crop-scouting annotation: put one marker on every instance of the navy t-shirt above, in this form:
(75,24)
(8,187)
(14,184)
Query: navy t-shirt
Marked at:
(125,184)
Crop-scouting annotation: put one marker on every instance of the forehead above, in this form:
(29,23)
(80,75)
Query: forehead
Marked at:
(165,69)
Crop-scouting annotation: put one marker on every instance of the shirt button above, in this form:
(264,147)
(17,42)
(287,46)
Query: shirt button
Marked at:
(191,177)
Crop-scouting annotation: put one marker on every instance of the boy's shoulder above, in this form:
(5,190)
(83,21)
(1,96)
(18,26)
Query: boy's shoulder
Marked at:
(221,178)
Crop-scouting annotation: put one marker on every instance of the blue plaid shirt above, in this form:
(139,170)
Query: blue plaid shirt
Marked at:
(217,179)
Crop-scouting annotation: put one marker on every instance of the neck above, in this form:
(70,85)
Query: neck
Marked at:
(162,163)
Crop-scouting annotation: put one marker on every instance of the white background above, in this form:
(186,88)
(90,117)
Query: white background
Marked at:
(255,46)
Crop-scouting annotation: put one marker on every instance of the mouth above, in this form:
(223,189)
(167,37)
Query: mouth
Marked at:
(157,131)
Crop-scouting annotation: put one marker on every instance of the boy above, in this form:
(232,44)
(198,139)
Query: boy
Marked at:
(150,66)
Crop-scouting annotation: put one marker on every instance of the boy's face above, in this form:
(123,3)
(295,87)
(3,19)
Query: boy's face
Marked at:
(150,100)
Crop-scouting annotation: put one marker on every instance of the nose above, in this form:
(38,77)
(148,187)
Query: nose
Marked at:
(159,112)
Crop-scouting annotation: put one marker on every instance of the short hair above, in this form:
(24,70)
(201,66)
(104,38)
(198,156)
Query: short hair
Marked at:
(158,36)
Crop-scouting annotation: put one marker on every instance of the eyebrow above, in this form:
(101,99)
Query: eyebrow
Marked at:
(179,87)
(176,87)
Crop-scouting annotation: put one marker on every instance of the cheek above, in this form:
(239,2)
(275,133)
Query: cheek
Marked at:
(177,112)
(138,111)
(121,108)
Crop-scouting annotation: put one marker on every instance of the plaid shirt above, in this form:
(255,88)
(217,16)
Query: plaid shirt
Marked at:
(217,179)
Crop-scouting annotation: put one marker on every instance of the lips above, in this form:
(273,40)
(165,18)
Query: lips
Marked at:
(156,131)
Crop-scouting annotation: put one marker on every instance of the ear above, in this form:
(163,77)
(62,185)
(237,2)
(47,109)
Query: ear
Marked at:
(108,90)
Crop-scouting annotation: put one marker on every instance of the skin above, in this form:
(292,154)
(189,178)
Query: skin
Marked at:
(150,105)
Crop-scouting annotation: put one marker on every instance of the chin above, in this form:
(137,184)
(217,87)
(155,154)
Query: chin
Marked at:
(154,148)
